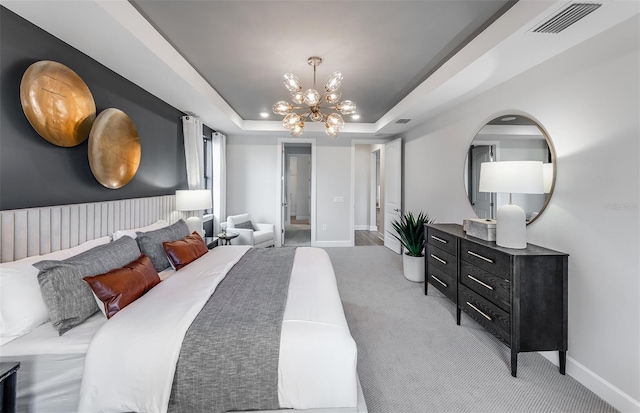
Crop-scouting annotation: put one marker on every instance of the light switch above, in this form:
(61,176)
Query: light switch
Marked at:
(338,199)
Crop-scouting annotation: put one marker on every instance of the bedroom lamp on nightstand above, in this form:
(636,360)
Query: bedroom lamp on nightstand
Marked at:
(512,177)
(194,200)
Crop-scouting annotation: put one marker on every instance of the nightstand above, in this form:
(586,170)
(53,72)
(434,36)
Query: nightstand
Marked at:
(211,242)
(8,380)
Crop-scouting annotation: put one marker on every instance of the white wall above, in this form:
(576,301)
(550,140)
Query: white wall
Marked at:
(588,101)
(252,184)
(251,177)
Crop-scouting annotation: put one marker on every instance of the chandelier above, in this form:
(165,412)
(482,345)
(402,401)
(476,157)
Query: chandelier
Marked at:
(296,116)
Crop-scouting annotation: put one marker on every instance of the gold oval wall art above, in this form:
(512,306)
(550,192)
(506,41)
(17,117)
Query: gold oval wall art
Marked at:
(57,103)
(114,148)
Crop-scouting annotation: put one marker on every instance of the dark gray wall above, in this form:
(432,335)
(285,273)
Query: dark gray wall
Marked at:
(34,172)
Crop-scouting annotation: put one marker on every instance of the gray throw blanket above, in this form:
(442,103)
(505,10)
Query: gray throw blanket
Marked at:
(229,357)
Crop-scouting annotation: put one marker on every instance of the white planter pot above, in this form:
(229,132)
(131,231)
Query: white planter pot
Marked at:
(413,268)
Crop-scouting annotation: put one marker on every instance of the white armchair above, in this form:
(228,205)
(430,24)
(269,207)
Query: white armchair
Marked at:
(251,233)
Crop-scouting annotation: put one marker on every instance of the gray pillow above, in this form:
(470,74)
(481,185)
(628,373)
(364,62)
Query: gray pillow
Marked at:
(68,298)
(150,243)
(245,225)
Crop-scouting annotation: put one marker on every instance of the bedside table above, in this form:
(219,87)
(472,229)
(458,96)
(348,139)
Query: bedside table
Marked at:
(8,380)
(211,242)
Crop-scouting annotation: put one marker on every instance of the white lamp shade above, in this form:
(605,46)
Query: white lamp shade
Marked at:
(515,177)
(193,200)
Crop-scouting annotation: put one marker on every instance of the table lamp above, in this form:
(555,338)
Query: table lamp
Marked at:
(194,200)
(512,177)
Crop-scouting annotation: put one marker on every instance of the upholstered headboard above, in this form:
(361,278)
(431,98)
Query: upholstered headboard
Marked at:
(37,231)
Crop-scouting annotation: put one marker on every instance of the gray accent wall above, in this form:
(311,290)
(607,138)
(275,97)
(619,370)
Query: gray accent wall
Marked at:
(35,173)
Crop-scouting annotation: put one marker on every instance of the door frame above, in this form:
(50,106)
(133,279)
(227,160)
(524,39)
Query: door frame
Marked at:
(280,176)
(352,218)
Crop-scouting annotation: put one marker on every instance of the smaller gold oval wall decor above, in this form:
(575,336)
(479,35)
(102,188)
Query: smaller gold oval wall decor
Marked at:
(57,103)
(114,148)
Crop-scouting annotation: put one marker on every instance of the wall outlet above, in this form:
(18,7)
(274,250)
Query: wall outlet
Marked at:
(324,227)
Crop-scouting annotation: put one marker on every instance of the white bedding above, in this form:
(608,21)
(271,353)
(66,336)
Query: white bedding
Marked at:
(317,367)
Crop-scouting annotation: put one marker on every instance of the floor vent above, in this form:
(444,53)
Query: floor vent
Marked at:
(566,17)
(403,121)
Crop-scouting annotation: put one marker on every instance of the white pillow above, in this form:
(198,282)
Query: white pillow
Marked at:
(132,232)
(21,305)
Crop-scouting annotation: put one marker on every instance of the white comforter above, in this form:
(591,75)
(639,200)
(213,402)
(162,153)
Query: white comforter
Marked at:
(131,361)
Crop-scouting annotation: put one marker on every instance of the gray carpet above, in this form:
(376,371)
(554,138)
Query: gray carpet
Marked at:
(412,357)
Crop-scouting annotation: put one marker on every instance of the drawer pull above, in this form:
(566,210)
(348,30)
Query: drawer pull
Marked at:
(440,239)
(437,279)
(480,282)
(439,259)
(481,313)
(480,256)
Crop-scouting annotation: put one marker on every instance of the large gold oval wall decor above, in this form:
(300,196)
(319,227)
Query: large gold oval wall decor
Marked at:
(57,103)
(114,148)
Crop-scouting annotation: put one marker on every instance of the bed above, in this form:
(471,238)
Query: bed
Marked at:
(316,364)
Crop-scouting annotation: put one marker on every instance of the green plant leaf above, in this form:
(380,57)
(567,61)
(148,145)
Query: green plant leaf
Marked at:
(410,231)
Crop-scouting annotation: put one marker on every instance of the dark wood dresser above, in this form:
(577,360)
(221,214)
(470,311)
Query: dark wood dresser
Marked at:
(518,295)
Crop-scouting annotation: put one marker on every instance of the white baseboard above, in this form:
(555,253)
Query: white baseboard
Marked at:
(602,388)
(373,228)
(323,244)
(361,227)
(301,217)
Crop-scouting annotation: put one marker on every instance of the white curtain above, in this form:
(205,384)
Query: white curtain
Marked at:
(219,179)
(193,151)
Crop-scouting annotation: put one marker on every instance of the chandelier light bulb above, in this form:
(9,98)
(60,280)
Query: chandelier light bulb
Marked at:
(316,117)
(332,132)
(335,121)
(291,120)
(297,97)
(334,82)
(346,107)
(291,82)
(282,107)
(297,129)
(333,97)
(311,97)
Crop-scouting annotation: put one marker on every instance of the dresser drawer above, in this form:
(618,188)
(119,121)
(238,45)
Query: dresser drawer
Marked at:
(490,316)
(486,258)
(495,288)
(441,240)
(446,284)
(442,260)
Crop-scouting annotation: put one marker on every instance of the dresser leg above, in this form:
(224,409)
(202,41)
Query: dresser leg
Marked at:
(514,363)
(458,315)
(563,362)
(426,286)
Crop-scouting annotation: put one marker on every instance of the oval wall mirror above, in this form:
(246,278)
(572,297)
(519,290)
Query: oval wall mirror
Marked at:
(509,138)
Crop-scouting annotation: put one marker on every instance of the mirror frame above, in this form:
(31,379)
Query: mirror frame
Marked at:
(552,151)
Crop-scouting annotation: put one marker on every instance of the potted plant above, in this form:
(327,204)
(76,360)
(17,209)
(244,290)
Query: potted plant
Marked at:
(410,232)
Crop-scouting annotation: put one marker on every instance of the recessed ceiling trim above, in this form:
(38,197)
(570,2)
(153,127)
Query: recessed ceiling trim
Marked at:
(566,17)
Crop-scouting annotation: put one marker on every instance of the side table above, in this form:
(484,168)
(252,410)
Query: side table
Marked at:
(8,379)
(227,237)
(211,242)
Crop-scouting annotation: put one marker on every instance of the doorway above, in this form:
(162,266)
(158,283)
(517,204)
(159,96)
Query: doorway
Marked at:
(297,195)
(368,190)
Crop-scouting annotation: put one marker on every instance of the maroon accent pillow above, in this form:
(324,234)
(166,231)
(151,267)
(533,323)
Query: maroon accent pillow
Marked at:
(120,287)
(185,250)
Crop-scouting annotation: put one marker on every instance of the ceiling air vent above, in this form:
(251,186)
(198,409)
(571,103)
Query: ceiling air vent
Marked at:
(403,121)
(566,17)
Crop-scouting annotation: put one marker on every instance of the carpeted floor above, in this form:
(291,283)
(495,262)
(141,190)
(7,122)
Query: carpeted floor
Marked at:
(412,357)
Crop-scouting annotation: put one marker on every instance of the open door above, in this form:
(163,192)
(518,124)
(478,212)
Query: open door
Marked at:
(284,206)
(393,192)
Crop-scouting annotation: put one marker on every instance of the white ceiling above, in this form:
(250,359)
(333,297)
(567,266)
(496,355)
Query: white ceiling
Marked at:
(224,60)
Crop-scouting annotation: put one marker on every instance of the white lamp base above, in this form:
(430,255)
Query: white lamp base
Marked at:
(195,224)
(511,228)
